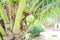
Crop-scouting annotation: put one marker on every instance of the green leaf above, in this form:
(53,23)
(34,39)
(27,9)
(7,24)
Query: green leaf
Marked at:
(36,30)
(3,1)
(10,2)
(16,0)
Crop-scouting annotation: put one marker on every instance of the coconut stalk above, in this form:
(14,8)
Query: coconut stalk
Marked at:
(2,31)
(0,38)
(19,15)
(3,14)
